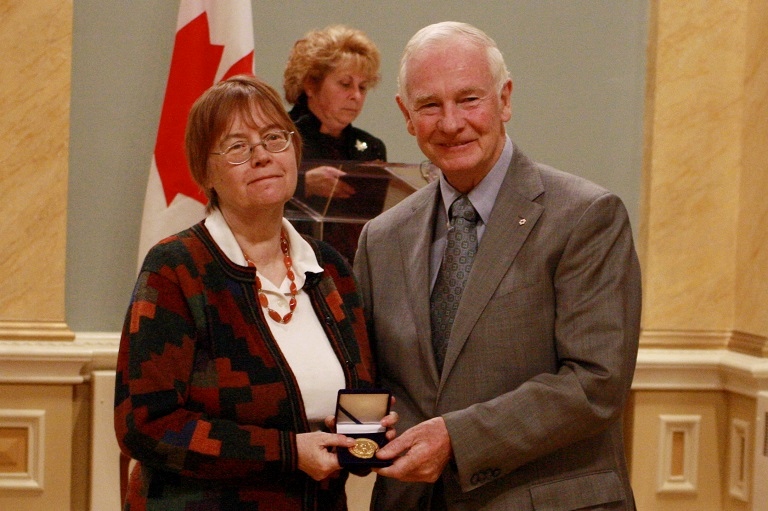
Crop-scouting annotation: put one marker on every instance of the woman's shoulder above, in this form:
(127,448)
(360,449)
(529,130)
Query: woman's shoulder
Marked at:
(179,249)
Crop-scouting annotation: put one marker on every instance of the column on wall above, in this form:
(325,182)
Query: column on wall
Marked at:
(36,38)
(40,402)
(697,438)
(704,208)
(751,315)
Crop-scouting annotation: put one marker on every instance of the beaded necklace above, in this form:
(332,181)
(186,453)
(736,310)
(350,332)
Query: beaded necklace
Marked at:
(263,300)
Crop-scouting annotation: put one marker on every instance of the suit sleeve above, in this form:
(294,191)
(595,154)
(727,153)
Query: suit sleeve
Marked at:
(595,284)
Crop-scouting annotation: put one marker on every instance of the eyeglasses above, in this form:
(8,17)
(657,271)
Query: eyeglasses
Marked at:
(240,152)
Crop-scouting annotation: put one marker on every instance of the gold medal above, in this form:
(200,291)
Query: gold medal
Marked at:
(364,448)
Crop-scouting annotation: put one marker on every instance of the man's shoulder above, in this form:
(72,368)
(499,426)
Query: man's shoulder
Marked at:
(405,209)
(550,178)
(555,178)
(557,185)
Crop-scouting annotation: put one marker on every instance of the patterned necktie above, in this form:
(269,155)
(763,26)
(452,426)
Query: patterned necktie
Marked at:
(457,262)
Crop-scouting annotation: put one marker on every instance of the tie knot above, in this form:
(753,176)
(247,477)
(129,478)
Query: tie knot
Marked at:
(462,208)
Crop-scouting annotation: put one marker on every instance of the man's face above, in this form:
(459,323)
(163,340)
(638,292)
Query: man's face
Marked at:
(455,111)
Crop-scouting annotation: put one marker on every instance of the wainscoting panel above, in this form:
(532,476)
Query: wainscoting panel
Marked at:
(678,453)
(22,449)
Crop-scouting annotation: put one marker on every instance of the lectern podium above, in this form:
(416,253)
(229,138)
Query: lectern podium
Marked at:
(378,186)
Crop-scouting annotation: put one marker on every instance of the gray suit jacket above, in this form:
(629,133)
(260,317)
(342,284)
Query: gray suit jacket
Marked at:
(542,353)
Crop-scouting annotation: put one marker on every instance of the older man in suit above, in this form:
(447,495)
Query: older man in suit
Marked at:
(513,401)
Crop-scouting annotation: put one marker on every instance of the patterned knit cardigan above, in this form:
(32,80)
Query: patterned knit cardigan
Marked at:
(204,399)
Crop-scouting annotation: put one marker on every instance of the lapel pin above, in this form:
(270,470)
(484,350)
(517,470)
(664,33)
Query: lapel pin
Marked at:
(521,221)
(360,145)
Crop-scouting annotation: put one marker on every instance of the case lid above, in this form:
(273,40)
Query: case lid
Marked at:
(361,412)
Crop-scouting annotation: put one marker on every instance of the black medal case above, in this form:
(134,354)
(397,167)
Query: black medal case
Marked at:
(358,415)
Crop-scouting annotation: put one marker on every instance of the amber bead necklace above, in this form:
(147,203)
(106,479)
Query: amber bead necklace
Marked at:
(263,300)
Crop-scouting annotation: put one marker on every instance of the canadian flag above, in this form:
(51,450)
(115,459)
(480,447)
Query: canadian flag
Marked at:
(214,40)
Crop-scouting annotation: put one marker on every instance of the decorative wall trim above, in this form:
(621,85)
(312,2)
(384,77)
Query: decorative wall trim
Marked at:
(755,345)
(739,459)
(708,369)
(741,342)
(35,330)
(678,453)
(72,362)
(57,362)
(684,339)
(26,471)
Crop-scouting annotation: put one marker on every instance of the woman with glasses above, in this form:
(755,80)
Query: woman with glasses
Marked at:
(240,332)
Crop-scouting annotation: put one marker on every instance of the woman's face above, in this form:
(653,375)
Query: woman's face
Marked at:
(266,181)
(339,98)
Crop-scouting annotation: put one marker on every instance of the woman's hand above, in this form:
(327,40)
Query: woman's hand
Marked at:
(315,453)
(326,181)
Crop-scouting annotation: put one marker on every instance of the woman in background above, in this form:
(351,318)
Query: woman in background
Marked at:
(327,78)
(240,332)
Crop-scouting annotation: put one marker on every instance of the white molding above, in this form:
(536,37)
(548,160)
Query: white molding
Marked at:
(34,423)
(739,458)
(688,426)
(57,362)
(688,369)
(71,362)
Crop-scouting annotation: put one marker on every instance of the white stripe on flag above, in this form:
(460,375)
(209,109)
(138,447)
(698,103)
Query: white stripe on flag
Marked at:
(214,40)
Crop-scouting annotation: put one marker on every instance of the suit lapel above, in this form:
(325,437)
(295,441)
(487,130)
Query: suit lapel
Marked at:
(512,219)
(414,240)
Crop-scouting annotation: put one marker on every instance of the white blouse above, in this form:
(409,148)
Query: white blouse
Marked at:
(302,341)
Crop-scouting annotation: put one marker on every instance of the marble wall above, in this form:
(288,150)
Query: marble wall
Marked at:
(704,221)
(36,37)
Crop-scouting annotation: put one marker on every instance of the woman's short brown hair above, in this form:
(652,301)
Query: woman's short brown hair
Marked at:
(318,53)
(213,113)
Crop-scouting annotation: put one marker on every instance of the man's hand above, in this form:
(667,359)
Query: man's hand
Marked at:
(420,454)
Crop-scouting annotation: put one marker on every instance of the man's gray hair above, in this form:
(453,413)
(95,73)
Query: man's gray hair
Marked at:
(450,31)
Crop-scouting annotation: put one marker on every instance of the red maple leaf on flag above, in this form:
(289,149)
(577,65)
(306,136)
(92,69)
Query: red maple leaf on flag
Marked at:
(193,70)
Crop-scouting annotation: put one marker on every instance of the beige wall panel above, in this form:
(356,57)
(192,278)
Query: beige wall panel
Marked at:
(56,400)
(36,37)
(13,449)
(693,164)
(752,282)
(649,406)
